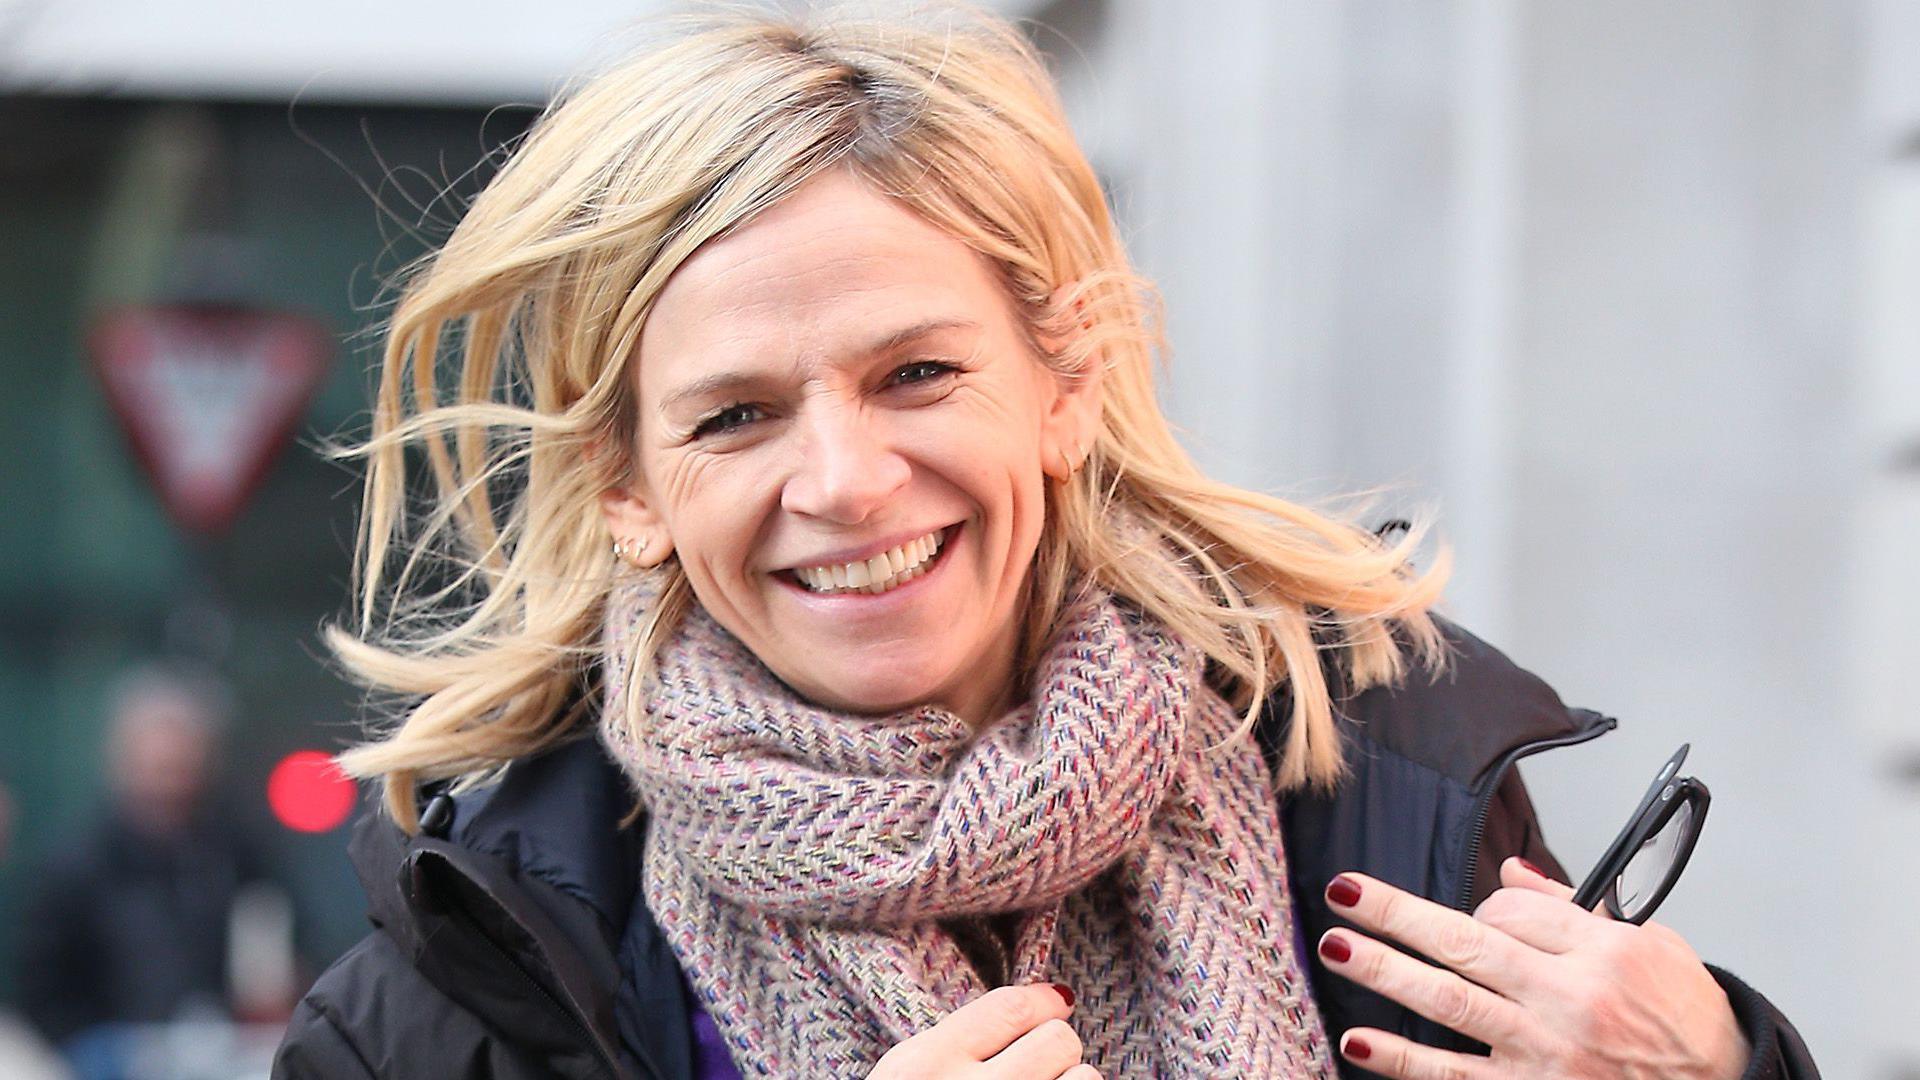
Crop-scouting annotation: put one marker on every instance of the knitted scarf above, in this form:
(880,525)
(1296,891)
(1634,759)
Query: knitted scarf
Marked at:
(834,883)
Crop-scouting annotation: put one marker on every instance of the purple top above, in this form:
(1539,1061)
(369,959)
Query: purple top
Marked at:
(710,1058)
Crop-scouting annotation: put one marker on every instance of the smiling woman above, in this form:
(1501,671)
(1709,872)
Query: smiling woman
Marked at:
(941,718)
(830,445)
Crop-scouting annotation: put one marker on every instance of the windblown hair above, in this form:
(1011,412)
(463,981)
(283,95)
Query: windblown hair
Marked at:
(509,368)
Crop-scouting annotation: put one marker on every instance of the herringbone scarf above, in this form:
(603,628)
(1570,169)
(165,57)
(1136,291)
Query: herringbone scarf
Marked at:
(835,883)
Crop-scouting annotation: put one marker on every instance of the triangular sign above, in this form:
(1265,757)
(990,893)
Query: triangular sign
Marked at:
(208,394)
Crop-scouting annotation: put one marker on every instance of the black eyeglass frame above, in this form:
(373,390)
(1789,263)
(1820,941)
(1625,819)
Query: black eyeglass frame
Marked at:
(1668,793)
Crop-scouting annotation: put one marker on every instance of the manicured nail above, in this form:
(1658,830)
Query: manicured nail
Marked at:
(1343,891)
(1356,1048)
(1066,995)
(1335,948)
(1532,869)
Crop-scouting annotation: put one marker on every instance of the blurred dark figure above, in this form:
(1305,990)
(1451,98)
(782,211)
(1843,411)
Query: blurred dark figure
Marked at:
(131,923)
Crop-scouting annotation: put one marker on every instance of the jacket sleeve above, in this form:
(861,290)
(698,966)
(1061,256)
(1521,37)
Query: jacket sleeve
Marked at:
(372,1015)
(1778,1052)
(1514,829)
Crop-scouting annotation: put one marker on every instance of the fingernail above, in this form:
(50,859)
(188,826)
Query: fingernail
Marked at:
(1356,1048)
(1066,995)
(1343,891)
(1532,869)
(1335,948)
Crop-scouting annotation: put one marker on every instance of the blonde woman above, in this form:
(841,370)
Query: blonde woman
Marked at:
(820,659)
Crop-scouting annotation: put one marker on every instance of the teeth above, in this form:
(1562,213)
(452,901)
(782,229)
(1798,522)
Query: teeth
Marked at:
(879,574)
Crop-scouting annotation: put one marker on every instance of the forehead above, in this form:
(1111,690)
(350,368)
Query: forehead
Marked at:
(832,265)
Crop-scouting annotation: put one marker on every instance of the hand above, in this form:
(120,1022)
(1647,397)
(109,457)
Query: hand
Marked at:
(1555,991)
(1012,1033)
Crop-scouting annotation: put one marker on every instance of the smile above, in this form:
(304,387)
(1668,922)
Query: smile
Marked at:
(882,573)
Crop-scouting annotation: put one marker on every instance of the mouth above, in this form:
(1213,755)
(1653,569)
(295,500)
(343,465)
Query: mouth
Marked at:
(881,573)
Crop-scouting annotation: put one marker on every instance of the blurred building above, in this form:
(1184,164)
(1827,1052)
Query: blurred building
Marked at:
(1622,292)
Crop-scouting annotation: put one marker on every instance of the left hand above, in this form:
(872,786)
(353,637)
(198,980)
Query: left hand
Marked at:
(1555,991)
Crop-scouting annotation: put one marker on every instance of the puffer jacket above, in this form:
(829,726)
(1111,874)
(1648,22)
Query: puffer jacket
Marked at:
(511,939)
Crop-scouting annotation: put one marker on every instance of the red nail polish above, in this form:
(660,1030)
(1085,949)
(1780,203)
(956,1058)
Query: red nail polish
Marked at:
(1343,891)
(1532,869)
(1357,1048)
(1066,995)
(1335,948)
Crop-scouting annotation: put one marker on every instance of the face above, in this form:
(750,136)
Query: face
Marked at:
(844,436)
(162,760)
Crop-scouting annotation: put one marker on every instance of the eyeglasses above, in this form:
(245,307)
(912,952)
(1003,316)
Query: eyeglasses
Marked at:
(1643,862)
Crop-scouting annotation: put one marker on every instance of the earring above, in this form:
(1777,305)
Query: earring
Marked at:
(629,549)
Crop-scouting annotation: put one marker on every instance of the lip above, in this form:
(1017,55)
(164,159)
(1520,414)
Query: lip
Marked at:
(875,603)
(868,550)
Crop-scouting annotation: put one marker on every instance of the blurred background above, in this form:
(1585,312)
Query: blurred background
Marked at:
(1623,294)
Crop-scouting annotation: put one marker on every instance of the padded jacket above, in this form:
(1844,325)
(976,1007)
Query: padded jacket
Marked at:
(511,939)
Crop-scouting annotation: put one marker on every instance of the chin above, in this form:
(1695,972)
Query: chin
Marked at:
(877,696)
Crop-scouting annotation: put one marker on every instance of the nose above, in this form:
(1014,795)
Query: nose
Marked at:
(847,469)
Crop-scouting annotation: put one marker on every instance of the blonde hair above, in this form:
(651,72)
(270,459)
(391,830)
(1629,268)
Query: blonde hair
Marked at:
(509,365)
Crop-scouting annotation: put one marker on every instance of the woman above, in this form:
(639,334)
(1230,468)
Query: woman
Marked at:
(926,672)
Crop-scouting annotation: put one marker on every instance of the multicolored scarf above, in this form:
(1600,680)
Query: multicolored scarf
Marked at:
(834,883)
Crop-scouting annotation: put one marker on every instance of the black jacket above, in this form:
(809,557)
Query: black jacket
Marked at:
(512,940)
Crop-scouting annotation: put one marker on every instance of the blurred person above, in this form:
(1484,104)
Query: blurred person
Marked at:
(846,536)
(129,922)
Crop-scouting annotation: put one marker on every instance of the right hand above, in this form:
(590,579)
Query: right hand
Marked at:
(1012,1033)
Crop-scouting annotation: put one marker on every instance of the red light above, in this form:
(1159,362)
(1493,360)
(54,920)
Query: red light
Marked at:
(309,793)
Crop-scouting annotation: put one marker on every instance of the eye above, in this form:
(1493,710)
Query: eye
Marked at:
(920,371)
(731,418)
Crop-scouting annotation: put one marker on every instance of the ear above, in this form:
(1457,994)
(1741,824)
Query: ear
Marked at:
(1072,418)
(632,520)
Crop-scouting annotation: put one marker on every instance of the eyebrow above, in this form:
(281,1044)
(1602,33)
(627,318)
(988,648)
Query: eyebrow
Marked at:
(726,381)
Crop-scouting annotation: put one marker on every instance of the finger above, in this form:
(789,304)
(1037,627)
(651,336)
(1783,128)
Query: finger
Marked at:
(1518,873)
(1451,938)
(1439,995)
(1048,1050)
(1392,1055)
(1547,923)
(1081,1072)
(991,1022)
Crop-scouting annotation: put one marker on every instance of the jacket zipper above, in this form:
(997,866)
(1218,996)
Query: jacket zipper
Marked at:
(1597,725)
(573,1019)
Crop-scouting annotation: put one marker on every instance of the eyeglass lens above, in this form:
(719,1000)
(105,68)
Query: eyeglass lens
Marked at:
(1649,868)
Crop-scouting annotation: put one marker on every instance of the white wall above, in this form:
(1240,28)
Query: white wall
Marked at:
(1589,277)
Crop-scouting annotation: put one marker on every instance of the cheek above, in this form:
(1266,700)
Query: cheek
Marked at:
(713,508)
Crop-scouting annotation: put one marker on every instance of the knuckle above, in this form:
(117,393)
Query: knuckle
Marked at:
(1018,1011)
(1460,943)
(1387,910)
(1417,1065)
(1503,904)
(1373,967)
(1453,1005)
(1620,946)
(1059,1039)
